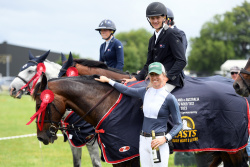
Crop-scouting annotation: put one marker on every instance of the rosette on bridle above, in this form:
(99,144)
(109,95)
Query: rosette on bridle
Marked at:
(40,69)
(71,71)
(47,96)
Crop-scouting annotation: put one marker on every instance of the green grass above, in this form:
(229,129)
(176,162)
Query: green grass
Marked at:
(26,152)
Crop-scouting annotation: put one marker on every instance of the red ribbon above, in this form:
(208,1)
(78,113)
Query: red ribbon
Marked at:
(40,69)
(47,97)
(71,71)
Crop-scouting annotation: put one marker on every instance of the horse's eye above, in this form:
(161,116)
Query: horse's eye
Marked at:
(30,71)
(37,107)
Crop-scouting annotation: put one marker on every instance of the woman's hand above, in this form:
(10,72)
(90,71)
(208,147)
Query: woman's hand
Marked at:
(129,80)
(102,79)
(157,142)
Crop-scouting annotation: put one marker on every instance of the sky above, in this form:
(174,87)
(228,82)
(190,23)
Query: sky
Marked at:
(69,25)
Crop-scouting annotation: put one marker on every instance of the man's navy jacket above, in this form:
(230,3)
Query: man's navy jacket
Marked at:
(113,56)
(184,38)
(169,51)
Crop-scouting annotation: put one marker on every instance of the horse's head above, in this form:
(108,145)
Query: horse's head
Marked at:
(50,108)
(28,72)
(242,82)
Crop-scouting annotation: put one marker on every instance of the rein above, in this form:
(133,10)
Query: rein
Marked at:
(99,102)
(40,68)
(244,81)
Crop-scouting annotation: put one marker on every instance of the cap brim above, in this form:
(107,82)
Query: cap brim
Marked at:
(155,71)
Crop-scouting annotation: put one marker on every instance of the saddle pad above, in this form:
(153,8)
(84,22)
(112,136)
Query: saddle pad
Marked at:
(214,117)
(119,130)
(82,133)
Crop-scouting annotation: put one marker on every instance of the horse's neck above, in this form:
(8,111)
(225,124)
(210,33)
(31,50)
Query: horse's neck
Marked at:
(52,69)
(84,98)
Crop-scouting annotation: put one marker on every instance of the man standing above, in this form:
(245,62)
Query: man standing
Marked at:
(234,72)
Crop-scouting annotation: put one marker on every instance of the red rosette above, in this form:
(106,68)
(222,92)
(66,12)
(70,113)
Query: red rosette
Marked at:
(72,71)
(40,67)
(47,96)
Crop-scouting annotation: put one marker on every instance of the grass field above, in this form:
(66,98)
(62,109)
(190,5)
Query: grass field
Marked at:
(28,152)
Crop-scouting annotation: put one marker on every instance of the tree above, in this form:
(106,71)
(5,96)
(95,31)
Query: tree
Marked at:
(135,44)
(227,36)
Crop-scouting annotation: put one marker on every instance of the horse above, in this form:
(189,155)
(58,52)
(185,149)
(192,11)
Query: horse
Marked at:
(28,71)
(86,67)
(81,95)
(242,82)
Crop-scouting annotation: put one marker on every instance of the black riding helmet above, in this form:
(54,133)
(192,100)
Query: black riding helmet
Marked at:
(156,9)
(170,16)
(108,25)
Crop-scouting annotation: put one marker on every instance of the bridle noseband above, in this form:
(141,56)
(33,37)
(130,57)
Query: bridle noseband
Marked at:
(243,71)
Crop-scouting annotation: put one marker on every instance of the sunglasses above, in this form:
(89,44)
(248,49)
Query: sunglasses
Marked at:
(232,73)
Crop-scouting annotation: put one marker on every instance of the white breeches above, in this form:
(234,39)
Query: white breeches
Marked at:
(146,156)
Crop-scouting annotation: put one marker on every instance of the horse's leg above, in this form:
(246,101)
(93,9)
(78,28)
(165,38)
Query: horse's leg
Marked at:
(216,161)
(93,149)
(203,159)
(135,162)
(77,155)
(239,159)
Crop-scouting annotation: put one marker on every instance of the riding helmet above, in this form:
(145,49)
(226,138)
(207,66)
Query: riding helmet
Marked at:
(170,14)
(156,9)
(106,24)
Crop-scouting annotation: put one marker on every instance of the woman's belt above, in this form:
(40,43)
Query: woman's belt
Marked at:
(150,135)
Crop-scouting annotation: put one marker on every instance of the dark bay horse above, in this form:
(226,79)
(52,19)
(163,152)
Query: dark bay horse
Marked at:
(242,82)
(86,67)
(79,94)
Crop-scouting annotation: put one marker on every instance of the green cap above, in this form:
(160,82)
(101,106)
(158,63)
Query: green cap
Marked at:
(156,67)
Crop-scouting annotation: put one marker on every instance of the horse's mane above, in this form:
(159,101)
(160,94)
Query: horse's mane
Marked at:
(99,64)
(248,64)
(53,63)
(91,63)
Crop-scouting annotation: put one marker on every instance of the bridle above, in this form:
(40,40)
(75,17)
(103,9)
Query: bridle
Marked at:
(243,71)
(42,68)
(53,129)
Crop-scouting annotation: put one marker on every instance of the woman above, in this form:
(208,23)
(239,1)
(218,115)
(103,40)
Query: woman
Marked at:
(165,46)
(158,105)
(111,51)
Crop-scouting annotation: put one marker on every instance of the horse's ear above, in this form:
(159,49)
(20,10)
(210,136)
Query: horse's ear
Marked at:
(44,82)
(43,57)
(63,58)
(30,55)
(70,60)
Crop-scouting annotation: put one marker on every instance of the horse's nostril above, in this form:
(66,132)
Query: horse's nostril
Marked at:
(236,86)
(40,139)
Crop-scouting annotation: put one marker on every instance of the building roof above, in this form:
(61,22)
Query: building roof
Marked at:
(230,63)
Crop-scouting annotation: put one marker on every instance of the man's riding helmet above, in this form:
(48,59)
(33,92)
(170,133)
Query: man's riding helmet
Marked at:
(108,25)
(170,17)
(156,9)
